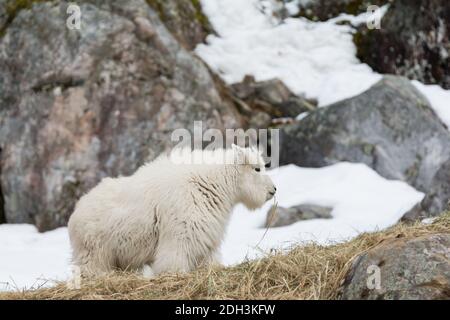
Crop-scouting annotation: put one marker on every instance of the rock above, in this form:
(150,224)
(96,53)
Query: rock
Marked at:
(413,41)
(436,200)
(184,19)
(79,105)
(390,127)
(286,216)
(322,10)
(3,17)
(271,98)
(409,269)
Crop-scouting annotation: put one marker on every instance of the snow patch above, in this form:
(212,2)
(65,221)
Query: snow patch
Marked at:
(316,59)
(439,99)
(30,259)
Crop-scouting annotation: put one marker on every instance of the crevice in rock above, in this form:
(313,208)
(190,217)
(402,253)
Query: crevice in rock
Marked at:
(54,82)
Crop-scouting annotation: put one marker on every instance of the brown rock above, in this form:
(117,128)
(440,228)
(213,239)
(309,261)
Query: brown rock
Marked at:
(409,268)
(271,98)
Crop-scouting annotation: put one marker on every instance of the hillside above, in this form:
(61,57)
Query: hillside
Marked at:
(306,272)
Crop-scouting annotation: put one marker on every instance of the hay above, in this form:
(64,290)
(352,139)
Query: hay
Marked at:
(309,271)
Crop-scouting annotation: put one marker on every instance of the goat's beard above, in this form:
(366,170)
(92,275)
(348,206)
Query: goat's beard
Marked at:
(253,203)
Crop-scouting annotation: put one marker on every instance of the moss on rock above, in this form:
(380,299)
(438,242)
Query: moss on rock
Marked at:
(12,8)
(184,19)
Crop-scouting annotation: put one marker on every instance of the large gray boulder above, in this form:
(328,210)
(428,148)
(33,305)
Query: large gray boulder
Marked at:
(390,127)
(408,268)
(436,200)
(78,105)
(413,41)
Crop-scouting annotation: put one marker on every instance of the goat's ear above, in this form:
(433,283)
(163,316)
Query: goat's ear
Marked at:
(236,148)
(239,154)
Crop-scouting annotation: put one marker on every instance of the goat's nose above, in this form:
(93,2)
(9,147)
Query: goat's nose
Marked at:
(274,190)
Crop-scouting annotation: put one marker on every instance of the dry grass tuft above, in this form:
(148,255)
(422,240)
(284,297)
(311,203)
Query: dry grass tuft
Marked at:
(306,272)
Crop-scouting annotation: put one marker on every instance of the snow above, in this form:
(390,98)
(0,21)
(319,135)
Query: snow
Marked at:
(361,200)
(29,258)
(301,116)
(439,99)
(292,7)
(364,17)
(429,220)
(315,59)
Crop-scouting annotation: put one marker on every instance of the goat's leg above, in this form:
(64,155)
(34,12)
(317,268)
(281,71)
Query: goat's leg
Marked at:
(171,257)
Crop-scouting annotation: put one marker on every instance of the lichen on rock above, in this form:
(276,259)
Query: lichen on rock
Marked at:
(407,269)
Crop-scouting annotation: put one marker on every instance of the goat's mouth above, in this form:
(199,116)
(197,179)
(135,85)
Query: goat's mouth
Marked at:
(272,193)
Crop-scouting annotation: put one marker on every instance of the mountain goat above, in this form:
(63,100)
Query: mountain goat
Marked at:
(169,216)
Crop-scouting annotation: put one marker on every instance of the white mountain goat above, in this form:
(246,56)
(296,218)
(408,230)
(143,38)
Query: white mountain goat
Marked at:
(171,217)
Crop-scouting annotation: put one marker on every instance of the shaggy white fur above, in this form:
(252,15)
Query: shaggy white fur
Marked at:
(169,216)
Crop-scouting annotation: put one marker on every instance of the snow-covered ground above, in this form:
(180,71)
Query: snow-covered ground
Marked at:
(29,258)
(361,200)
(316,59)
(439,99)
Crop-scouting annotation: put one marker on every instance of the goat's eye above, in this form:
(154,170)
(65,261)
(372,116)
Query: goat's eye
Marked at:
(257,169)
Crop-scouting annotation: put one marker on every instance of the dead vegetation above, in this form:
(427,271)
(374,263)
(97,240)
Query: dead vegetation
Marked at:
(306,272)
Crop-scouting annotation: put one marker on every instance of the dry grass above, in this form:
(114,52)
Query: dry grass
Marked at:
(306,272)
